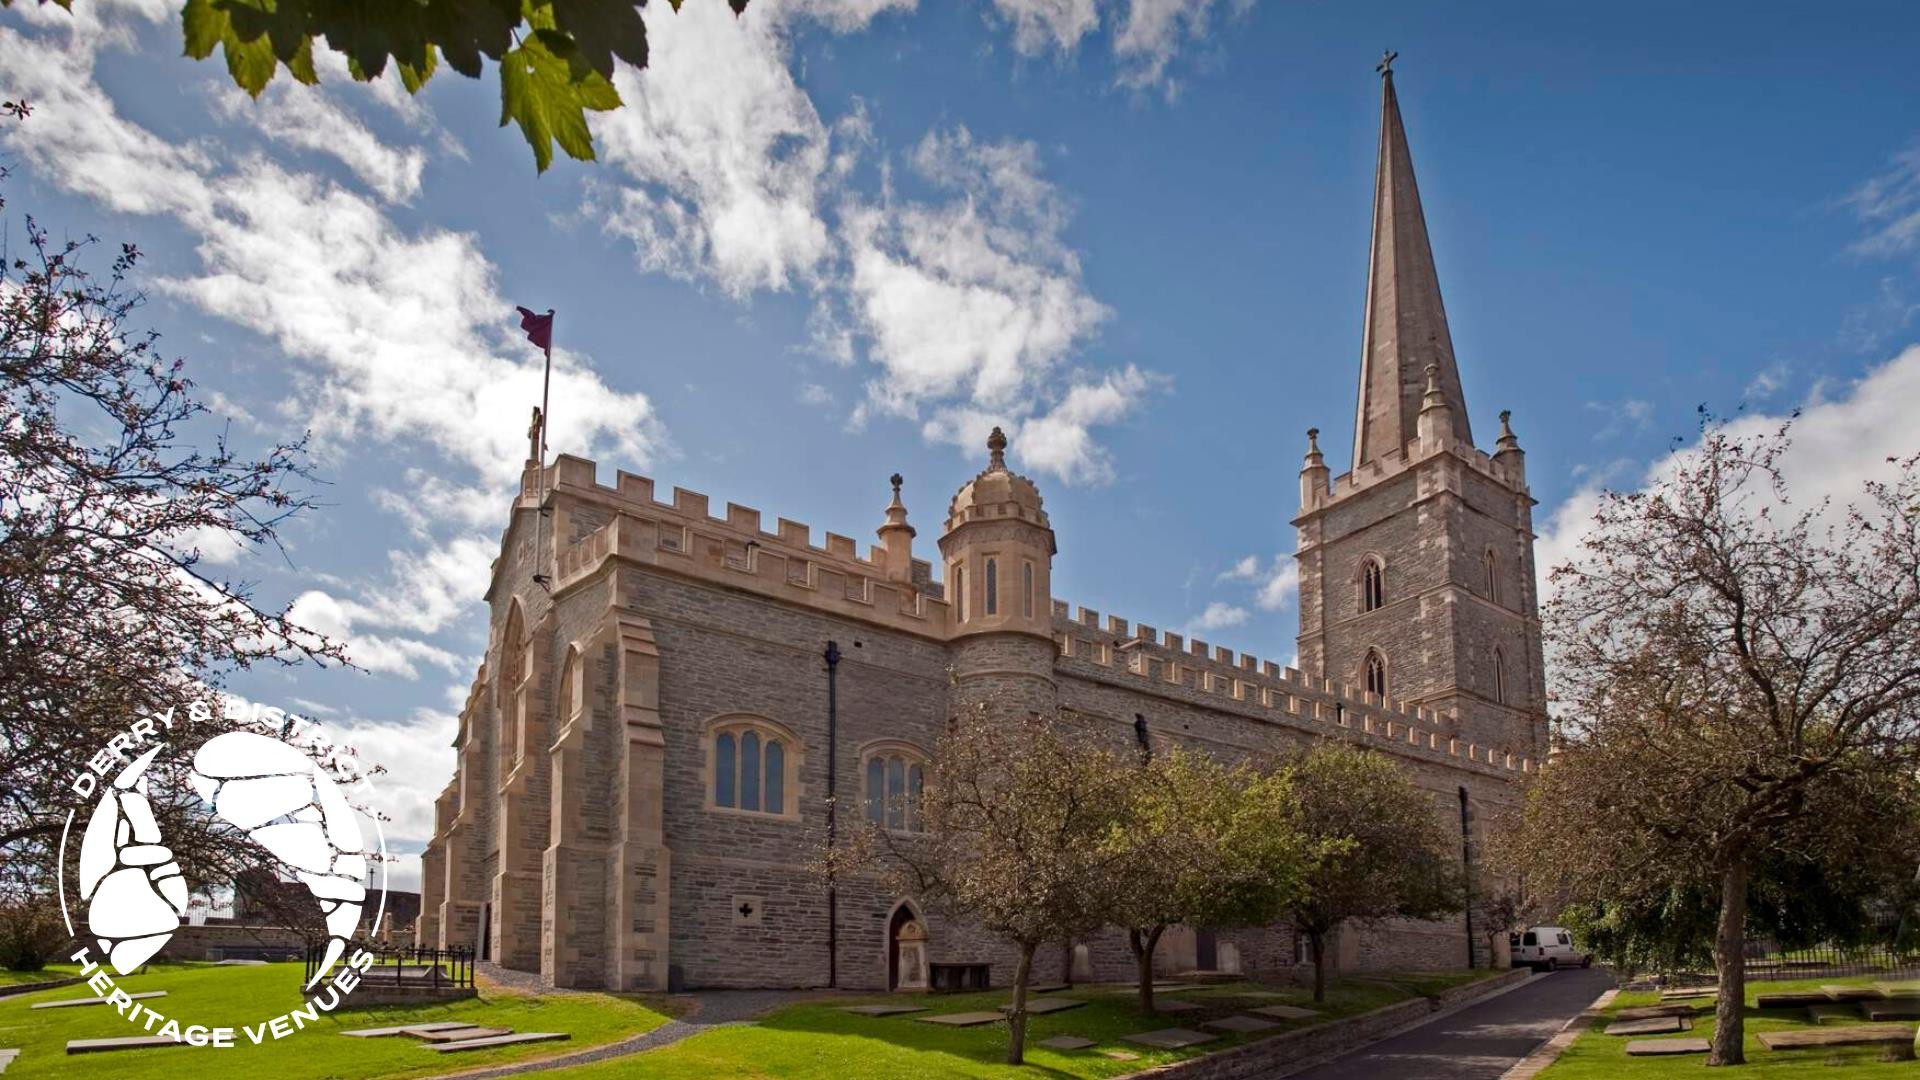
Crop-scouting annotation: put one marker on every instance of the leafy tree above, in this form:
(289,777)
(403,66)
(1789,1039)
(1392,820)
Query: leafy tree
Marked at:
(555,57)
(107,611)
(1204,844)
(1016,813)
(1741,684)
(1396,860)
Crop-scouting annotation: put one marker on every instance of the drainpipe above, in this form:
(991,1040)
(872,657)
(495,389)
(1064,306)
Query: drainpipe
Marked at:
(1466,866)
(832,657)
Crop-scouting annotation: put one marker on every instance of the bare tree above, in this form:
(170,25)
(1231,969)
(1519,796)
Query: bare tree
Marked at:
(1387,853)
(1017,812)
(107,610)
(1740,683)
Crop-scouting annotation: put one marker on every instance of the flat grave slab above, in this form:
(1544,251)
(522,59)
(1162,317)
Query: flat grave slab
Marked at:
(1892,1009)
(1861,1035)
(459,1034)
(1121,1055)
(1687,992)
(1043,1006)
(1652,1025)
(1835,1013)
(1664,1047)
(1065,1042)
(1178,986)
(1048,988)
(135,1042)
(502,1040)
(965,1019)
(241,963)
(1285,1012)
(884,1010)
(383,1032)
(1171,1038)
(1851,993)
(1792,1000)
(1240,1024)
(6,1058)
(1175,1006)
(68,1003)
(1648,1012)
(1898,989)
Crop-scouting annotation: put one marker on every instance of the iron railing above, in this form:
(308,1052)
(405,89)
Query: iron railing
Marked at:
(404,967)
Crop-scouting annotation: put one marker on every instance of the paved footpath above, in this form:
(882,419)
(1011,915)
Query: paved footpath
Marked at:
(1480,1041)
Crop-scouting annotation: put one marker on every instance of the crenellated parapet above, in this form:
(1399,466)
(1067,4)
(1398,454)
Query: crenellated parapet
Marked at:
(1166,662)
(625,521)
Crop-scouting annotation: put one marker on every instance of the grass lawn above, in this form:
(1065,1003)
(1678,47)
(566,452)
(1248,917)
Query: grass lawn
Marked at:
(819,1041)
(48,974)
(1597,1056)
(213,995)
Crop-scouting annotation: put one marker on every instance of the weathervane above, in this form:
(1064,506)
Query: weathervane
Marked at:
(1385,66)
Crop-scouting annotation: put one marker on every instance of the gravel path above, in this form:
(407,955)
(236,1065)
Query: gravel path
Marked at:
(705,1010)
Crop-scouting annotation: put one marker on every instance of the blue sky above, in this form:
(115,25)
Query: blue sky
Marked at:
(839,238)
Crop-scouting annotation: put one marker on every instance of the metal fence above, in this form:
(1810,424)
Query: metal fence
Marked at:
(404,967)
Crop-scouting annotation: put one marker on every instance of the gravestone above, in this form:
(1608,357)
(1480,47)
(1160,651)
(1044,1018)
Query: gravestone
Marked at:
(137,1042)
(1862,1035)
(963,1019)
(1833,1014)
(1791,1000)
(1892,1009)
(1647,1012)
(883,1010)
(1664,1047)
(1652,1025)
(912,944)
(1285,1012)
(1227,958)
(1065,1042)
(502,1040)
(1240,1024)
(1850,993)
(458,1034)
(1082,964)
(383,1032)
(1043,1006)
(1171,1038)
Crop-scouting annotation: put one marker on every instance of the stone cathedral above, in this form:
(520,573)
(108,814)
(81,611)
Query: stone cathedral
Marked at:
(670,695)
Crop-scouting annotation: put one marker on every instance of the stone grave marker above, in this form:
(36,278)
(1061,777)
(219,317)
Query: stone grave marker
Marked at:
(883,1010)
(68,1003)
(1240,1024)
(1043,1006)
(136,1042)
(1861,1035)
(964,1019)
(1285,1012)
(1835,1013)
(1652,1025)
(1892,1009)
(1065,1042)
(502,1040)
(1851,993)
(1664,1047)
(1648,1012)
(1790,1000)
(1171,1038)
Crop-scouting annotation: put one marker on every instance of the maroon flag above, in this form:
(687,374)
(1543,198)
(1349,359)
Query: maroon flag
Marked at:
(539,328)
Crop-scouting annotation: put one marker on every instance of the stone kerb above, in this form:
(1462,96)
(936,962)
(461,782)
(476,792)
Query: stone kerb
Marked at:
(1166,661)
(736,552)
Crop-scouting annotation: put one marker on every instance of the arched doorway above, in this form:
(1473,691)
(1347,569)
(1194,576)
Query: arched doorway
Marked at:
(906,951)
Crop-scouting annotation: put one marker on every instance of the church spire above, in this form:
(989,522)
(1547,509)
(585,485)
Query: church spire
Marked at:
(1406,323)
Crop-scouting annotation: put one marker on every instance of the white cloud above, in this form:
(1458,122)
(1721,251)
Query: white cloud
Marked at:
(1154,33)
(1276,583)
(416,756)
(1840,441)
(1888,207)
(1041,26)
(308,118)
(380,654)
(725,151)
(1630,417)
(1217,616)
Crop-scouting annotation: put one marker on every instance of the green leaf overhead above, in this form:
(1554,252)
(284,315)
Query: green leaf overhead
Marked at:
(556,57)
(548,95)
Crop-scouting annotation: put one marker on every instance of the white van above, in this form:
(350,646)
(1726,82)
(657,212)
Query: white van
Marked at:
(1547,948)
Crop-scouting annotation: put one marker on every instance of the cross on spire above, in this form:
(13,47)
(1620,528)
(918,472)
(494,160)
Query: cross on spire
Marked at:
(1385,66)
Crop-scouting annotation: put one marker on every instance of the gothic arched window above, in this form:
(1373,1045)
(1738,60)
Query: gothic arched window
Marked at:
(1499,676)
(896,777)
(1493,576)
(1376,674)
(753,766)
(993,587)
(1373,585)
(1026,590)
(959,593)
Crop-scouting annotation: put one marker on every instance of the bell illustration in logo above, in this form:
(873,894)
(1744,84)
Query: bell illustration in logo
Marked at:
(279,796)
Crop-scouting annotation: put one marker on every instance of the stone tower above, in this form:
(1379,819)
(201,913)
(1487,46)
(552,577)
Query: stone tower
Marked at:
(1416,567)
(999,548)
